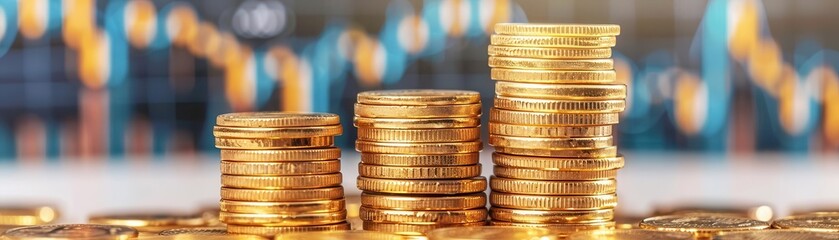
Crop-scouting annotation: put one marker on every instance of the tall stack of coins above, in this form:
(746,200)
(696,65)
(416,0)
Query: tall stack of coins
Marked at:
(280,173)
(419,165)
(556,99)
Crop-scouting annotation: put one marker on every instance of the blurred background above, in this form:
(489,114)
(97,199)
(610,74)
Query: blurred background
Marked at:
(718,88)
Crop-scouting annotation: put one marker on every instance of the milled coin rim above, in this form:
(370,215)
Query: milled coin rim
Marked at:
(276,119)
(418,97)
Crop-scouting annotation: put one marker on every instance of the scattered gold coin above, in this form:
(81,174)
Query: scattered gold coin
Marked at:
(778,234)
(817,222)
(630,234)
(490,233)
(141,220)
(71,231)
(702,225)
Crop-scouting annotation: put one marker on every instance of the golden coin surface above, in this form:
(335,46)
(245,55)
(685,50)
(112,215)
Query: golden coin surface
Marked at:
(553,76)
(630,234)
(340,235)
(277,119)
(557,175)
(535,202)
(280,168)
(550,143)
(423,202)
(490,233)
(281,155)
(412,229)
(824,222)
(319,206)
(552,119)
(702,225)
(551,64)
(406,111)
(778,234)
(569,30)
(417,123)
(284,195)
(564,153)
(537,187)
(423,216)
(553,105)
(203,237)
(282,182)
(420,160)
(72,231)
(27,215)
(549,131)
(289,132)
(418,148)
(561,229)
(269,219)
(271,231)
(556,164)
(400,172)
(195,231)
(588,92)
(551,41)
(148,219)
(273,143)
(419,97)
(438,187)
(550,53)
(547,216)
(419,135)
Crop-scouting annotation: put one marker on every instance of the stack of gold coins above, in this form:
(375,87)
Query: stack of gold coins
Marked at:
(280,173)
(556,99)
(419,165)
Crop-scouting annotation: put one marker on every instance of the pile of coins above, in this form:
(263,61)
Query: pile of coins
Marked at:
(556,98)
(419,165)
(280,173)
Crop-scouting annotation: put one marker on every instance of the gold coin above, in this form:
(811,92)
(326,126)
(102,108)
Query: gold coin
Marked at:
(285,195)
(280,168)
(418,148)
(289,132)
(420,160)
(276,119)
(551,64)
(490,233)
(819,222)
(566,164)
(281,155)
(418,97)
(148,219)
(195,231)
(423,216)
(554,76)
(27,215)
(535,202)
(273,143)
(441,187)
(203,237)
(282,182)
(550,53)
(428,123)
(778,234)
(534,187)
(419,202)
(412,229)
(319,206)
(419,135)
(271,231)
(438,172)
(702,225)
(547,216)
(588,92)
(406,111)
(563,106)
(549,131)
(268,219)
(552,119)
(71,231)
(340,235)
(560,229)
(550,143)
(630,234)
(560,175)
(551,41)
(566,30)
(564,153)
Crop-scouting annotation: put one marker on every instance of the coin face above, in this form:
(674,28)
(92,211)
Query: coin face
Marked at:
(419,97)
(630,234)
(490,233)
(702,224)
(821,222)
(72,231)
(340,235)
(276,119)
(781,234)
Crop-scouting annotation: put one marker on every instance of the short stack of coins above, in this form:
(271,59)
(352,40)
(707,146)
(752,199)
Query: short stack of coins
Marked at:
(420,167)
(556,98)
(280,173)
